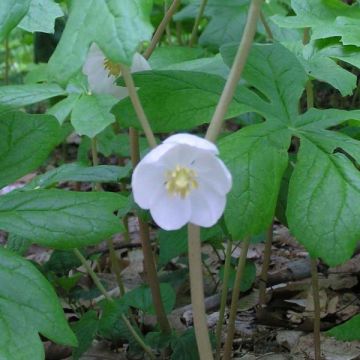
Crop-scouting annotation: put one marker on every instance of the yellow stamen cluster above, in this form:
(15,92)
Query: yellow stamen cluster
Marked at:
(181,181)
(112,68)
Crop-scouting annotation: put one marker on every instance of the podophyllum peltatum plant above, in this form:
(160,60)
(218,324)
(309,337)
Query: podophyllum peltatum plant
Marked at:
(254,64)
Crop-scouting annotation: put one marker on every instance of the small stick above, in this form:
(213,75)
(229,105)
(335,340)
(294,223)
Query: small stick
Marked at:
(197,293)
(235,298)
(315,288)
(200,14)
(161,28)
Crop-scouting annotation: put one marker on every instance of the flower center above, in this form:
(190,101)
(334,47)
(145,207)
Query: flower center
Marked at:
(112,68)
(181,181)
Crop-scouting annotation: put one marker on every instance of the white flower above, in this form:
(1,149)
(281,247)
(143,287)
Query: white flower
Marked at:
(181,181)
(102,73)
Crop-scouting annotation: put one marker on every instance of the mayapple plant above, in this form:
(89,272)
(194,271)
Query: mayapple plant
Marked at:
(275,158)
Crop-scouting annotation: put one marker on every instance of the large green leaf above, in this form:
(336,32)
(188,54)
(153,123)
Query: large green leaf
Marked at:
(324,68)
(277,74)
(348,331)
(117,27)
(28,306)
(184,347)
(11,13)
(326,18)
(21,95)
(257,158)
(178,100)
(25,142)
(41,16)
(141,298)
(227,20)
(324,195)
(91,114)
(61,219)
(81,173)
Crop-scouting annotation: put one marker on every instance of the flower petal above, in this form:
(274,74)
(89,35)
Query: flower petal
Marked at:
(207,206)
(213,171)
(147,183)
(171,212)
(98,77)
(139,63)
(157,153)
(193,140)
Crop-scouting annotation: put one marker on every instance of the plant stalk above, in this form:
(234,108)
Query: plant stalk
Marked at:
(161,28)
(224,292)
(265,266)
(314,272)
(149,262)
(197,293)
(113,257)
(100,286)
(266,26)
(193,38)
(315,288)
(236,71)
(134,97)
(235,298)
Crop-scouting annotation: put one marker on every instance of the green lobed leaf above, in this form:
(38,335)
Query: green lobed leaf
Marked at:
(348,331)
(326,18)
(323,68)
(11,13)
(41,16)
(185,347)
(24,314)
(277,75)
(141,298)
(62,109)
(91,114)
(257,158)
(61,219)
(85,330)
(21,95)
(248,277)
(177,100)
(25,143)
(323,208)
(80,173)
(227,20)
(124,25)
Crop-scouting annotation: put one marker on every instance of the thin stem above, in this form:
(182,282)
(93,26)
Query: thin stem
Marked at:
(92,274)
(200,14)
(314,272)
(224,292)
(315,288)
(167,28)
(100,286)
(152,278)
(95,160)
(149,262)
(266,26)
(161,28)
(236,71)
(265,266)
(134,97)
(115,266)
(235,298)
(197,293)
(113,257)
(7,61)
